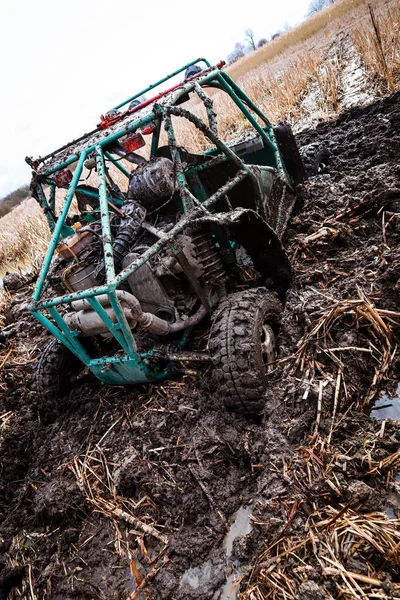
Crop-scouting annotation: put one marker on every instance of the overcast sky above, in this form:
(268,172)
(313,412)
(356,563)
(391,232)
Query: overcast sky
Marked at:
(65,63)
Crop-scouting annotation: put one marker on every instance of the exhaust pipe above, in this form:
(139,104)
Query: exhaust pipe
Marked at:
(88,322)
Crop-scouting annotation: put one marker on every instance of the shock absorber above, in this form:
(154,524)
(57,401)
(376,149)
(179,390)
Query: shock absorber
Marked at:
(122,244)
(208,257)
(124,240)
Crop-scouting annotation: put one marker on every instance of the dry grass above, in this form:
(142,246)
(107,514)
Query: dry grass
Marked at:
(306,35)
(24,237)
(324,361)
(348,544)
(4,300)
(278,76)
(378,41)
(335,535)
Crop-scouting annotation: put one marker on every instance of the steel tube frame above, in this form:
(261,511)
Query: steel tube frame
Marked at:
(57,229)
(163,80)
(193,207)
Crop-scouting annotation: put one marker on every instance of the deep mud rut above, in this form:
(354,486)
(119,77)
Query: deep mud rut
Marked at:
(129,492)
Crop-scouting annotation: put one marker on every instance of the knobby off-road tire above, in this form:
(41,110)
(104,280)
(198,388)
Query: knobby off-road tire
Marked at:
(315,157)
(55,372)
(241,344)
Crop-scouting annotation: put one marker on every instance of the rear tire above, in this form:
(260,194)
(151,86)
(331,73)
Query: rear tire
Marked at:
(55,372)
(315,157)
(290,153)
(242,344)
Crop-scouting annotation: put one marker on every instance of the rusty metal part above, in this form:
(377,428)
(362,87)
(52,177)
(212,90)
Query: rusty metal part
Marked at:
(133,313)
(193,280)
(207,256)
(89,323)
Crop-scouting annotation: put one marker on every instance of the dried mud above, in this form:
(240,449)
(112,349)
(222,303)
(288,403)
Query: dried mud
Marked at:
(79,482)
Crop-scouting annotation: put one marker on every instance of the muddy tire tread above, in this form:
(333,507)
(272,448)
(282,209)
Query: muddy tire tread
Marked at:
(312,156)
(232,347)
(52,375)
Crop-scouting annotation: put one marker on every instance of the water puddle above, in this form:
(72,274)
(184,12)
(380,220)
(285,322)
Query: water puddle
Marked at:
(230,589)
(202,577)
(241,526)
(198,577)
(387,407)
(390,513)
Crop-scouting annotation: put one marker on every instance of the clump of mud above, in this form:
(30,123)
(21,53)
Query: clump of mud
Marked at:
(130,492)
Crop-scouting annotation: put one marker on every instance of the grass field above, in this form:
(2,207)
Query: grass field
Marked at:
(277,77)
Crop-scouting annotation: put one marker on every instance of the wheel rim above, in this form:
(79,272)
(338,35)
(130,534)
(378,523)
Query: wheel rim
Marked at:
(268,344)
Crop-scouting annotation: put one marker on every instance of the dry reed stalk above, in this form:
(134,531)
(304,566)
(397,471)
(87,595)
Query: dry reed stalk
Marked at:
(95,480)
(320,343)
(335,535)
(5,421)
(377,39)
(4,301)
(112,510)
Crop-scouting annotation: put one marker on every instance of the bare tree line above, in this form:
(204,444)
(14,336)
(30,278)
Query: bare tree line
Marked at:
(250,43)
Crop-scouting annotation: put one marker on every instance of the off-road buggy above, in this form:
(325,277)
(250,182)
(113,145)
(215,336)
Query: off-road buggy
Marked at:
(195,241)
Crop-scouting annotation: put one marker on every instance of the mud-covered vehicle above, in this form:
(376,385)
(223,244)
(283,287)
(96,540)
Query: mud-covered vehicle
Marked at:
(195,241)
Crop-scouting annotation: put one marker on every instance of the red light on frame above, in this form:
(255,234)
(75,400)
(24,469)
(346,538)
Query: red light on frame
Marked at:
(132,142)
(147,130)
(62,178)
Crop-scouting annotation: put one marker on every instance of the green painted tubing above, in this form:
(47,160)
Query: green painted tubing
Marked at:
(105,217)
(155,139)
(154,85)
(188,200)
(52,197)
(74,344)
(222,146)
(128,129)
(117,164)
(53,329)
(91,194)
(240,93)
(240,176)
(271,135)
(125,329)
(107,140)
(60,336)
(68,298)
(246,112)
(113,328)
(45,206)
(57,229)
(154,249)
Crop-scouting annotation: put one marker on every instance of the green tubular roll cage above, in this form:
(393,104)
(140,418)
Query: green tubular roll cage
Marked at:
(128,365)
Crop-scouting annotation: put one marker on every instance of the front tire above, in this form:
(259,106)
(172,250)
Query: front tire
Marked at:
(242,344)
(55,372)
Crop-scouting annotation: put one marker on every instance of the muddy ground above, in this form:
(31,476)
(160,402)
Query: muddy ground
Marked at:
(130,492)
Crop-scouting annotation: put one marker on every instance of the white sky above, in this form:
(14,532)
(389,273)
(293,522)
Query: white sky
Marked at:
(65,63)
